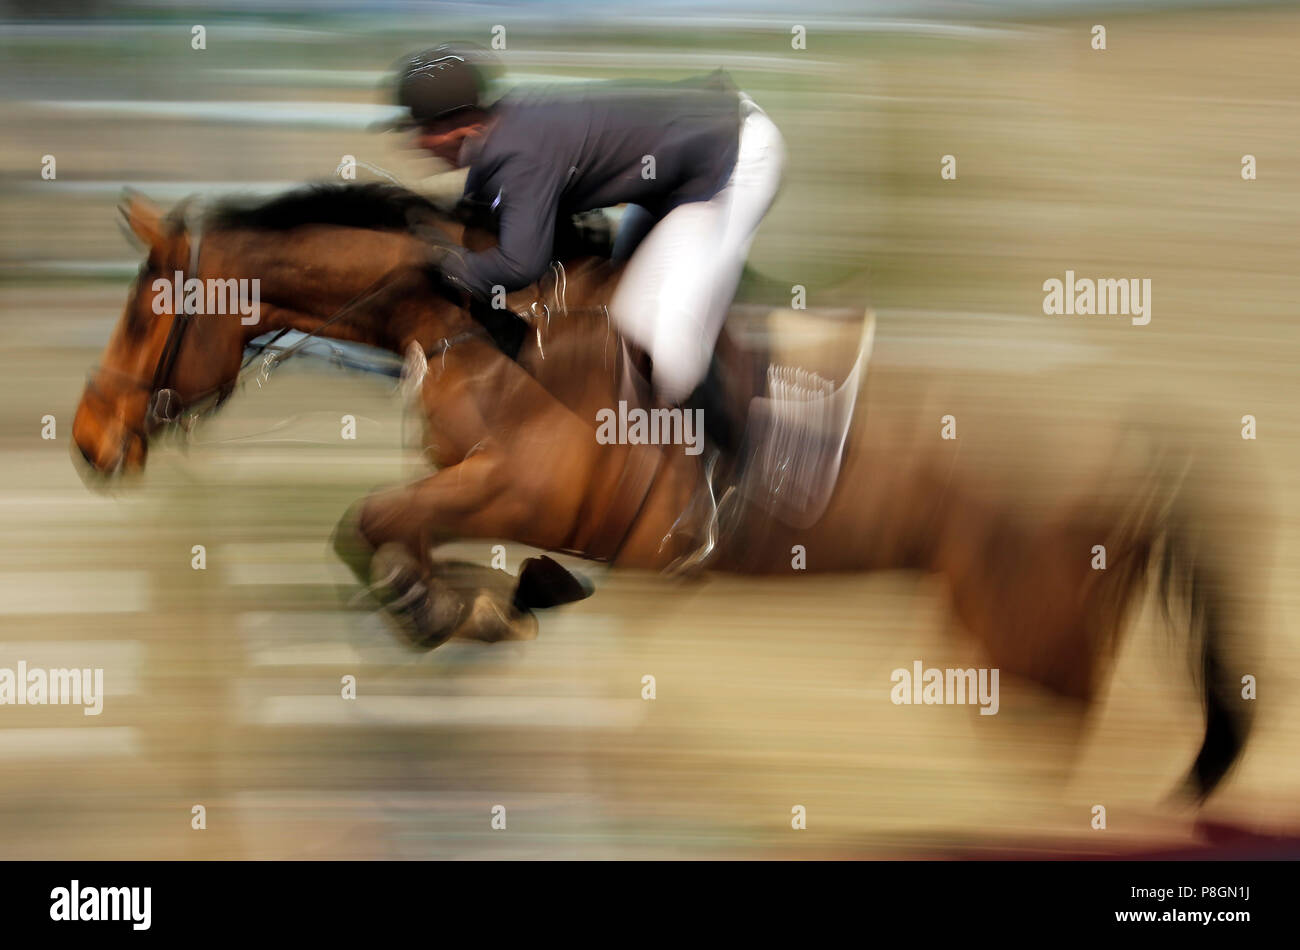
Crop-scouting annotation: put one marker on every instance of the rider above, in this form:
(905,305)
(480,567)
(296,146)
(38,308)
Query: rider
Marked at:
(697,163)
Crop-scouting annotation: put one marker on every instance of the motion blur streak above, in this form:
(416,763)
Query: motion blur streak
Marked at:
(221,685)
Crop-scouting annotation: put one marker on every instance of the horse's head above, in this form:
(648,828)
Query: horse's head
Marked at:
(157,362)
(344,261)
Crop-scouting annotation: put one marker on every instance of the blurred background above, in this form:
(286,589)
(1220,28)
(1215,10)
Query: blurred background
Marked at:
(223,685)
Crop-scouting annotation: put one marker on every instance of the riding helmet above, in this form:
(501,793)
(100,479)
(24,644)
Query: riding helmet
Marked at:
(439,81)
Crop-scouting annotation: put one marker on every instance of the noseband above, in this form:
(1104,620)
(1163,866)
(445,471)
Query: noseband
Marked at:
(165,403)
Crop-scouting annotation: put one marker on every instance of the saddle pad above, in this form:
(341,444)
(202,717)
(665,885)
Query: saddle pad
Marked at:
(795,437)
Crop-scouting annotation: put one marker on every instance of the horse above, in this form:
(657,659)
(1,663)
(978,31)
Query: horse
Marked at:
(510,398)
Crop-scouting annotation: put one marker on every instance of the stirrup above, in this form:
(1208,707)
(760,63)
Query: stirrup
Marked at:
(698,521)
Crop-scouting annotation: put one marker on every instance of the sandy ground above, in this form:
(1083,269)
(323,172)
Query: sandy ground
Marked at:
(223,684)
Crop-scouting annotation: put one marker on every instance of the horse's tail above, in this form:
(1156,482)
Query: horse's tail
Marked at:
(1227,716)
(1195,566)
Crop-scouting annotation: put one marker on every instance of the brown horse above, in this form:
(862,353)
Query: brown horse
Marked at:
(512,437)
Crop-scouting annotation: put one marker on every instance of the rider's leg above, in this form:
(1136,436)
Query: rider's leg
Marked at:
(662,301)
(675,294)
(748,196)
(760,165)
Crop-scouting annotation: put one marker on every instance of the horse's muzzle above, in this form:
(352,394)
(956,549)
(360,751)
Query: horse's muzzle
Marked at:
(108,458)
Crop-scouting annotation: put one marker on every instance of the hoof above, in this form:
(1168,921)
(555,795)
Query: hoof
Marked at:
(544,583)
(426,611)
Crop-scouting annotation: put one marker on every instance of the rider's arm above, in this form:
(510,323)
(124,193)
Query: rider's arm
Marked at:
(526,195)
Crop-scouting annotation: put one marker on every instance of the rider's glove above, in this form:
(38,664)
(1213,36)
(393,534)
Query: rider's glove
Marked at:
(436,257)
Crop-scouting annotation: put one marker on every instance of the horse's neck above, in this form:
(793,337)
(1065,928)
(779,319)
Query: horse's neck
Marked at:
(324,281)
(310,274)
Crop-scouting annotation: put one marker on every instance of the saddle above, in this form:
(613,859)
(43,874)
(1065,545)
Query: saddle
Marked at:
(774,447)
(775,434)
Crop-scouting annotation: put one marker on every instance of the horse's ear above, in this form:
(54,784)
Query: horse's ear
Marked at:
(143,217)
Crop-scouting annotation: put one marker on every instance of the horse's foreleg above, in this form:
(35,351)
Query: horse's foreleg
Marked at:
(389,538)
(386,541)
(488,495)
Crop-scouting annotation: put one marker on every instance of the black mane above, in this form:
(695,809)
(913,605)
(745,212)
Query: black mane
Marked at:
(373,206)
(370,206)
(378,206)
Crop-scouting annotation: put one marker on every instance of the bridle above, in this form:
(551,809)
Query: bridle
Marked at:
(164,403)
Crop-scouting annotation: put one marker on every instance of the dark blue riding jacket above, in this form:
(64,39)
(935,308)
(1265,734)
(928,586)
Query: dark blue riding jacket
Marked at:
(567,149)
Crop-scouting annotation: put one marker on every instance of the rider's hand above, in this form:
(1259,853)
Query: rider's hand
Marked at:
(434,263)
(437,255)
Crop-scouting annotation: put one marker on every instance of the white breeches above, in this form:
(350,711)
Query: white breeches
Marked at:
(674,295)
